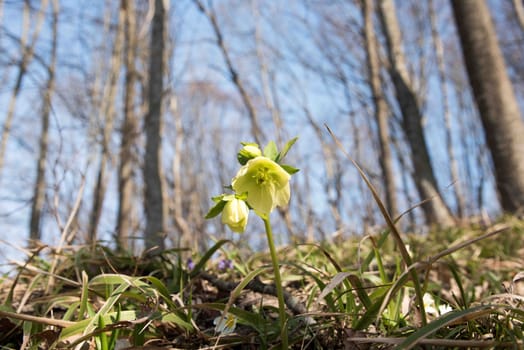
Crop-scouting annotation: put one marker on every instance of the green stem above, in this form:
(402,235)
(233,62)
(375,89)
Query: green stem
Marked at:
(278,283)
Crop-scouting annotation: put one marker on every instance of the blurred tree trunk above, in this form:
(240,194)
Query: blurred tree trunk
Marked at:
(180,194)
(495,99)
(27,50)
(381,108)
(107,111)
(154,206)
(435,209)
(439,55)
(519,10)
(128,132)
(37,204)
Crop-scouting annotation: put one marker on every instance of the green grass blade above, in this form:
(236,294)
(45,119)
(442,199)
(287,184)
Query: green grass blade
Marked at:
(108,305)
(456,275)
(443,321)
(235,293)
(102,338)
(320,284)
(205,258)
(389,221)
(84,296)
(370,315)
(79,327)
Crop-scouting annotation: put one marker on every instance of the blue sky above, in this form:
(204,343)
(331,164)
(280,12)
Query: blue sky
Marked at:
(297,45)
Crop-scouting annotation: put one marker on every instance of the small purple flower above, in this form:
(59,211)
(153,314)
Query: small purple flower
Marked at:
(190,264)
(225,264)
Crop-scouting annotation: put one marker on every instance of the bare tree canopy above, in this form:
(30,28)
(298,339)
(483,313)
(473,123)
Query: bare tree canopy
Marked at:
(145,104)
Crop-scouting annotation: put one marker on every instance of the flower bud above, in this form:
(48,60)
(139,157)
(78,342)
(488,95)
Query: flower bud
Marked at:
(249,151)
(235,215)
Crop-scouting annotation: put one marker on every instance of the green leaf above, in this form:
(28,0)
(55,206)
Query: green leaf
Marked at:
(103,336)
(172,317)
(289,169)
(209,253)
(286,149)
(443,321)
(359,288)
(271,151)
(79,327)
(339,278)
(370,315)
(217,199)
(216,209)
(84,297)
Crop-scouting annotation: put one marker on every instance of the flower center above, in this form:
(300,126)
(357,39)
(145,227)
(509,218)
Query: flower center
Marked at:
(262,176)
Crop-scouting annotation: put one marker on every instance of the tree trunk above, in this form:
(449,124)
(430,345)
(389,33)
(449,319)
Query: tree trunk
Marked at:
(40,183)
(519,10)
(107,110)
(154,205)
(128,133)
(435,209)
(495,99)
(27,55)
(381,108)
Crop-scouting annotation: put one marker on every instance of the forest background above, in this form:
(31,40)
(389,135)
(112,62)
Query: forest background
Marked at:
(120,119)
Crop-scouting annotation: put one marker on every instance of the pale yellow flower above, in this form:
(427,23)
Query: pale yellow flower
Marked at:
(266,184)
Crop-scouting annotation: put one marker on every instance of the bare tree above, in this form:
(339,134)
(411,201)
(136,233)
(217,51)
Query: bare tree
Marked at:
(27,50)
(495,99)
(129,130)
(107,112)
(381,108)
(39,192)
(435,210)
(154,206)
(256,131)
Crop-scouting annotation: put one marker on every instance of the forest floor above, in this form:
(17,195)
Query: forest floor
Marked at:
(354,293)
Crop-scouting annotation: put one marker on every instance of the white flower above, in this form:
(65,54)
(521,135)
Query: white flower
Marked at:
(429,304)
(444,309)
(225,324)
(432,309)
